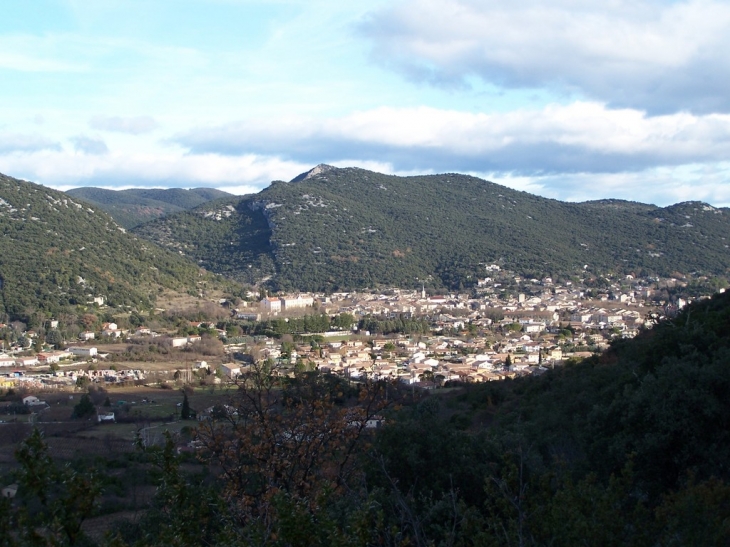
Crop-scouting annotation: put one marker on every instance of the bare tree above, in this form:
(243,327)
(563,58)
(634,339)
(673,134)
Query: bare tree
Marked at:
(289,438)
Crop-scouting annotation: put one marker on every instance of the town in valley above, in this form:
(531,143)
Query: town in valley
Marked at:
(507,326)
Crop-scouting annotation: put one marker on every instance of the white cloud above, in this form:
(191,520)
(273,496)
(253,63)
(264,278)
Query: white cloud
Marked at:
(248,173)
(580,137)
(659,186)
(58,169)
(89,145)
(652,55)
(132,125)
(20,142)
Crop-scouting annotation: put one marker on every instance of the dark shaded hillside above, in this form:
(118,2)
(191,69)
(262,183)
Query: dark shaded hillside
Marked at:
(227,237)
(627,448)
(135,206)
(661,400)
(349,228)
(56,252)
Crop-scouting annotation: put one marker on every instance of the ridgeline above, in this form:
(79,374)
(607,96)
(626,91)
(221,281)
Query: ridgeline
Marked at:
(135,206)
(333,229)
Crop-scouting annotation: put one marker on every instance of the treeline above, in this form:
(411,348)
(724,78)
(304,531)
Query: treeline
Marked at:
(308,324)
(135,206)
(398,325)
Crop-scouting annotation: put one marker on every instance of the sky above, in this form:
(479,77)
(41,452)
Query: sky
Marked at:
(565,99)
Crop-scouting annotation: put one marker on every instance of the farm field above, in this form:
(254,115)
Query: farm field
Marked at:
(111,449)
(135,408)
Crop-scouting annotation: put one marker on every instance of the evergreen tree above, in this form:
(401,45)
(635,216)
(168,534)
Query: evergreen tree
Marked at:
(185,411)
(84,408)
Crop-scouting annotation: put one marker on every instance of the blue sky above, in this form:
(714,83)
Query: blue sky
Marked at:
(566,99)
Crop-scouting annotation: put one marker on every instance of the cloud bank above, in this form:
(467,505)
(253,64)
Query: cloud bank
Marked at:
(655,56)
(63,170)
(19,142)
(581,137)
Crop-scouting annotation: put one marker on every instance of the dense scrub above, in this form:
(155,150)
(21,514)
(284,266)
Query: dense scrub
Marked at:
(352,228)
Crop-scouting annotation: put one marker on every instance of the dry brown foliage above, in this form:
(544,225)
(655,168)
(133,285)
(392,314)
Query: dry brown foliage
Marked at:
(290,439)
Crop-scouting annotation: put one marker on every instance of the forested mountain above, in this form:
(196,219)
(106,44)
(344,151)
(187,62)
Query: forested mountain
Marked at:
(336,228)
(56,252)
(135,206)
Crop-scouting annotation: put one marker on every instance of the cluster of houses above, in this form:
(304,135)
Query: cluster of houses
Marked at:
(430,361)
(537,327)
(46,358)
(625,311)
(69,378)
(107,376)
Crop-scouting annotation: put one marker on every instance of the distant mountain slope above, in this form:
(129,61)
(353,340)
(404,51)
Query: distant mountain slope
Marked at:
(139,205)
(56,252)
(227,237)
(346,228)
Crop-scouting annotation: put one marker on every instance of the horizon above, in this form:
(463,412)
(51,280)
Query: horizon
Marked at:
(585,102)
(402,176)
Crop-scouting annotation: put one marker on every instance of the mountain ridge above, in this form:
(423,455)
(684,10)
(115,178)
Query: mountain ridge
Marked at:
(136,206)
(352,228)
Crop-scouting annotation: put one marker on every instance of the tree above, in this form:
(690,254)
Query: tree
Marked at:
(88,320)
(300,444)
(55,338)
(53,501)
(84,408)
(427,376)
(185,410)
(82,382)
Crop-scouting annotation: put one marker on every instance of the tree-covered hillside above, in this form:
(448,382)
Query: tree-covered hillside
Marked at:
(226,237)
(347,228)
(135,206)
(56,252)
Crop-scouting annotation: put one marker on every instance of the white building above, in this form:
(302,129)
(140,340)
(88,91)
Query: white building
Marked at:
(230,370)
(32,400)
(271,305)
(296,302)
(179,342)
(83,352)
